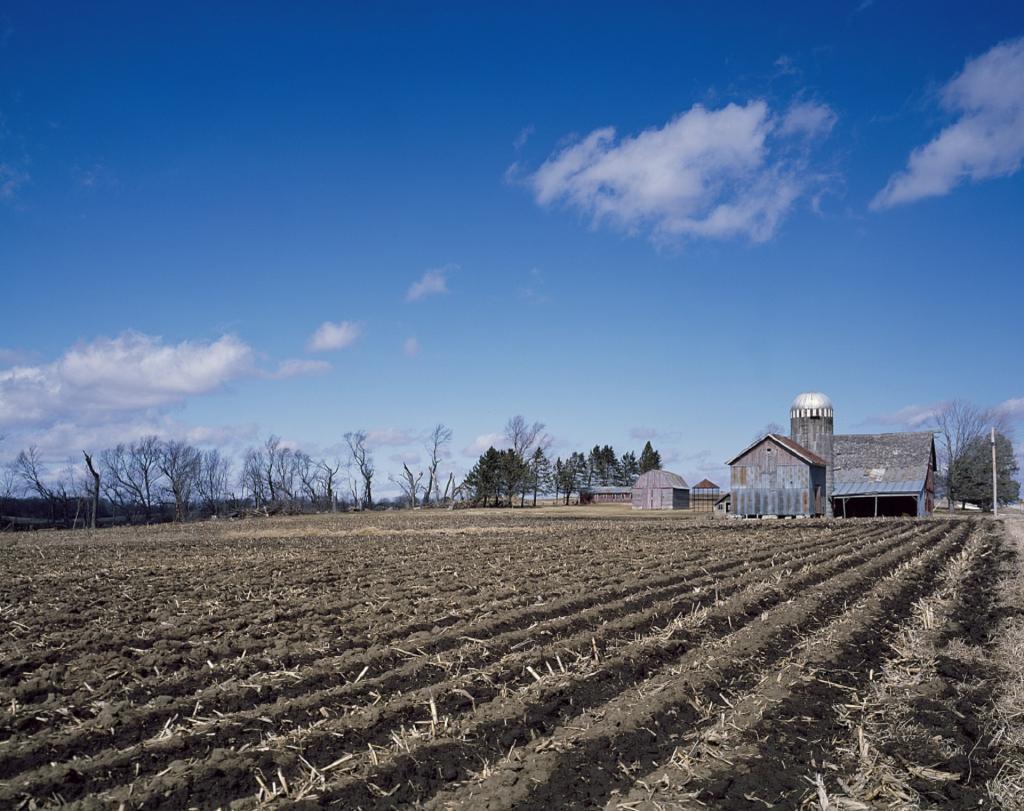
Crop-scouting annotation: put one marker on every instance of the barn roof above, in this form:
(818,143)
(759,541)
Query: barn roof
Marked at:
(882,463)
(705,484)
(794,447)
(655,479)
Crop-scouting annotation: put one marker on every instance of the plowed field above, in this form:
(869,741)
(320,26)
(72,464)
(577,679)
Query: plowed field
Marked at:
(497,661)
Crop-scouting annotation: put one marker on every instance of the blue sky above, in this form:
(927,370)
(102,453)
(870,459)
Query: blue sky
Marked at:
(625,220)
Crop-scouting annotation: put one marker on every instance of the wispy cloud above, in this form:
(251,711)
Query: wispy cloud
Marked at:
(912,417)
(296,367)
(483,442)
(522,137)
(731,172)
(410,347)
(11,179)
(986,140)
(390,436)
(432,283)
(330,335)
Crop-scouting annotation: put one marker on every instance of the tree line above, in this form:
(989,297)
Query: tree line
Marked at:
(524,470)
(153,480)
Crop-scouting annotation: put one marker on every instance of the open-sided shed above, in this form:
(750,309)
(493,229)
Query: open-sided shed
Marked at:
(661,490)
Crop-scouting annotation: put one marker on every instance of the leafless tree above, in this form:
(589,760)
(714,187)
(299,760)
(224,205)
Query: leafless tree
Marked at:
(179,462)
(409,484)
(29,466)
(9,485)
(770,428)
(328,473)
(525,438)
(958,424)
(132,474)
(308,473)
(95,489)
(251,479)
(436,442)
(213,478)
(361,457)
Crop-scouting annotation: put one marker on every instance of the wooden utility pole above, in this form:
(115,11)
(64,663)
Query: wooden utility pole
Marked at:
(995,477)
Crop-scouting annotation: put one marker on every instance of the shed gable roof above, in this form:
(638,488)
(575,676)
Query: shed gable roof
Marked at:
(656,479)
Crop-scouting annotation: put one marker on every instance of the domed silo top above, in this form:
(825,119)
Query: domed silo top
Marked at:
(811,404)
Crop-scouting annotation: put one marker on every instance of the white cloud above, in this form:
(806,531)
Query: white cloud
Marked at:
(643,432)
(1011,409)
(483,442)
(808,118)
(130,372)
(986,141)
(735,171)
(389,436)
(295,367)
(411,347)
(432,283)
(407,458)
(330,335)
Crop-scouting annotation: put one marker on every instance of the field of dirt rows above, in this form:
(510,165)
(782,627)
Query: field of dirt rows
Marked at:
(506,660)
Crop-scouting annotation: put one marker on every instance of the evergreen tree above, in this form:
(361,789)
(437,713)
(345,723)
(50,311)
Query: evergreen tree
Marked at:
(973,472)
(628,469)
(650,459)
(484,480)
(540,473)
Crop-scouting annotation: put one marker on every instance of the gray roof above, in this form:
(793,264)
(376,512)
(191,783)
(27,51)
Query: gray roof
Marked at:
(656,479)
(882,463)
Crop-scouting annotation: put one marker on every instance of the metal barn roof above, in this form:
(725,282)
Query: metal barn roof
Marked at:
(655,479)
(706,484)
(790,445)
(882,463)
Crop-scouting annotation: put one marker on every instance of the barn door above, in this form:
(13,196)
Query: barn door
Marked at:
(652,495)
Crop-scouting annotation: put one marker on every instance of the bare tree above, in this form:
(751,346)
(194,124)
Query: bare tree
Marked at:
(770,428)
(409,484)
(179,462)
(439,437)
(363,461)
(29,466)
(251,479)
(958,424)
(212,481)
(525,438)
(327,475)
(308,473)
(95,490)
(132,473)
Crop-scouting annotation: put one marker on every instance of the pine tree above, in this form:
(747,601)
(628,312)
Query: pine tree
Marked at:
(540,473)
(650,459)
(973,472)
(628,469)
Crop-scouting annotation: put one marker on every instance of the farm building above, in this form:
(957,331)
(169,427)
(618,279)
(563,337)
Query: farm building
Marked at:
(703,495)
(884,474)
(724,503)
(661,490)
(606,495)
(864,474)
(776,476)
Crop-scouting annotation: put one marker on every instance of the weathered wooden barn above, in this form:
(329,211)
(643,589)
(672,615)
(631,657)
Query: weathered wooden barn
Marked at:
(884,474)
(606,495)
(864,474)
(777,476)
(661,490)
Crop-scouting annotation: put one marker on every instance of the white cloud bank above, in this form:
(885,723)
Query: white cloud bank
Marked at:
(732,172)
(986,140)
(330,335)
(116,389)
(130,372)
